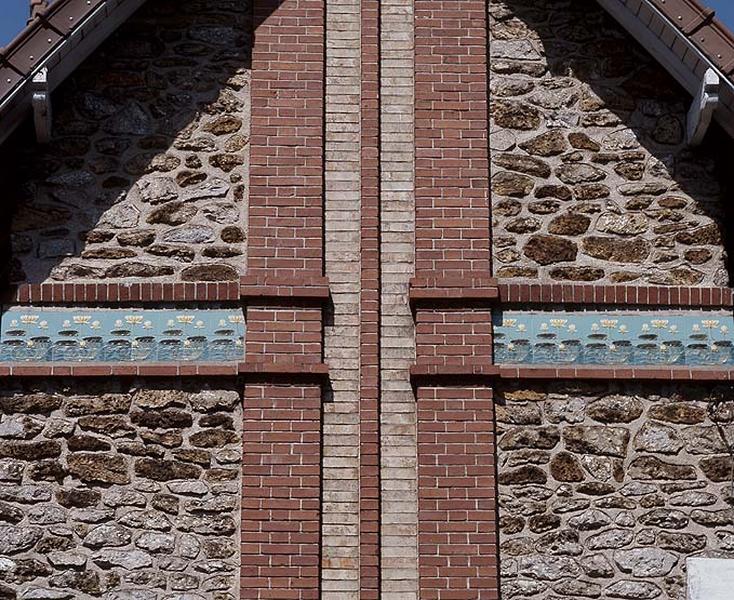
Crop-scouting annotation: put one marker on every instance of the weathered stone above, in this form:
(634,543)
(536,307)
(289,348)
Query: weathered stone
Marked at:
(565,466)
(605,441)
(15,539)
(665,518)
(137,269)
(717,468)
(164,419)
(651,467)
(146,519)
(597,566)
(615,409)
(35,403)
(213,438)
(551,143)
(569,224)
(629,224)
(659,438)
(548,568)
(645,562)
(515,115)
(615,250)
(523,475)
(127,559)
(686,413)
(165,470)
(522,164)
(517,414)
(686,543)
(192,234)
(610,539)
(210,272)
(30,451)
(574,173)
(633,590)
(709,235)
(547,250)
(713,518)
(523,225)
(139,238)
(510,184)
(232,235)
(177,252)
(108,535)
(99,468)
(172,213)
(668,130)
(582,141)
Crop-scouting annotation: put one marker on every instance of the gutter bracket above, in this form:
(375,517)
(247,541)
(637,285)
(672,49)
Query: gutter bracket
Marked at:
(703,107)
(41,102)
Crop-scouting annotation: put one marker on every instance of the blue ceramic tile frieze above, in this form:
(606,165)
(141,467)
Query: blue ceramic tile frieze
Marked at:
(614,338)
(102,335)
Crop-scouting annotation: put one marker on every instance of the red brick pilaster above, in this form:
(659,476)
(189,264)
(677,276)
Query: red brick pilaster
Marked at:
(452,186)
(457,499)
(369,479)
(452,173)
(281,490)
(285,236)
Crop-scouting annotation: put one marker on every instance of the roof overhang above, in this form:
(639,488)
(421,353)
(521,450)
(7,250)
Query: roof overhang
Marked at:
(48,50)
(693,46)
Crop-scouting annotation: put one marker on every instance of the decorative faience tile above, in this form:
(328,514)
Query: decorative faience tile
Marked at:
(614,338)
(121,335)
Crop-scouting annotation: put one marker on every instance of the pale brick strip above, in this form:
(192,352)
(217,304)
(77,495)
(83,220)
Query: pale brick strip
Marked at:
(399,482)
(340,518)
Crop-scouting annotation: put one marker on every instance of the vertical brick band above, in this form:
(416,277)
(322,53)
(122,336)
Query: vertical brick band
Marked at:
(398,469)
(369,489)
(451,130)
(281,492)
(286,184)
(458,529)
(340,524)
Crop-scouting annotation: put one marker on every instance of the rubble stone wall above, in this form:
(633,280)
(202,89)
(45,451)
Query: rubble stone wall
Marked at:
(121,492)
(147,172)
(604,490)
(592,178)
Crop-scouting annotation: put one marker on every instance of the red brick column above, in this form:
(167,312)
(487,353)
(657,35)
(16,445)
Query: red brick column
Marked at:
(281,490)
(369,479)
(285,236)
(452,172)
(286,206)
(457,499)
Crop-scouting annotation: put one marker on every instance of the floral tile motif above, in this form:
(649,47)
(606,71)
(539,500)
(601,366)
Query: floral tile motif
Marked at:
(99,335)
(614,338)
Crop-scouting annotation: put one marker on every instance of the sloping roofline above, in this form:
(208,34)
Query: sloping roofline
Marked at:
(695,47)
(50,48)
(683,35)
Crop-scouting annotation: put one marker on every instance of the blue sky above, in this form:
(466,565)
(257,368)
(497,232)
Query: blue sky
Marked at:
(13,15)
(724,9)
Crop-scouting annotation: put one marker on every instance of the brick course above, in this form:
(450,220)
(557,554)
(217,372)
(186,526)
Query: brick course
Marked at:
(281,490)
(457,518)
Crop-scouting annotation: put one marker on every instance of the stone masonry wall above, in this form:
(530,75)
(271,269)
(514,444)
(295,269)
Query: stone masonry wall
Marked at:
(592,179)
(147,172)
(119,492)
(604,490)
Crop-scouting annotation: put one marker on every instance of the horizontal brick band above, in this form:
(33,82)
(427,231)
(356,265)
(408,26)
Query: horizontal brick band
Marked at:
(52,293)
(118,370)
(424,375)
(615,294)
(277,368)
(307,288)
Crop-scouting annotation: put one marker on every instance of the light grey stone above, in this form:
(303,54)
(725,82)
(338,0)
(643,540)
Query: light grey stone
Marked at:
(192,234)
(548,568)
(645,562)
(108,535)
(633,590)
(121,216)
(127,559)
(14,539)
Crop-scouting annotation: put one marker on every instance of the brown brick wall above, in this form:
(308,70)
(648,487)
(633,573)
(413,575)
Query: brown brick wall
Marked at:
(455,337)
(281,492)
(286,193)
(456,488)
(452,206)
